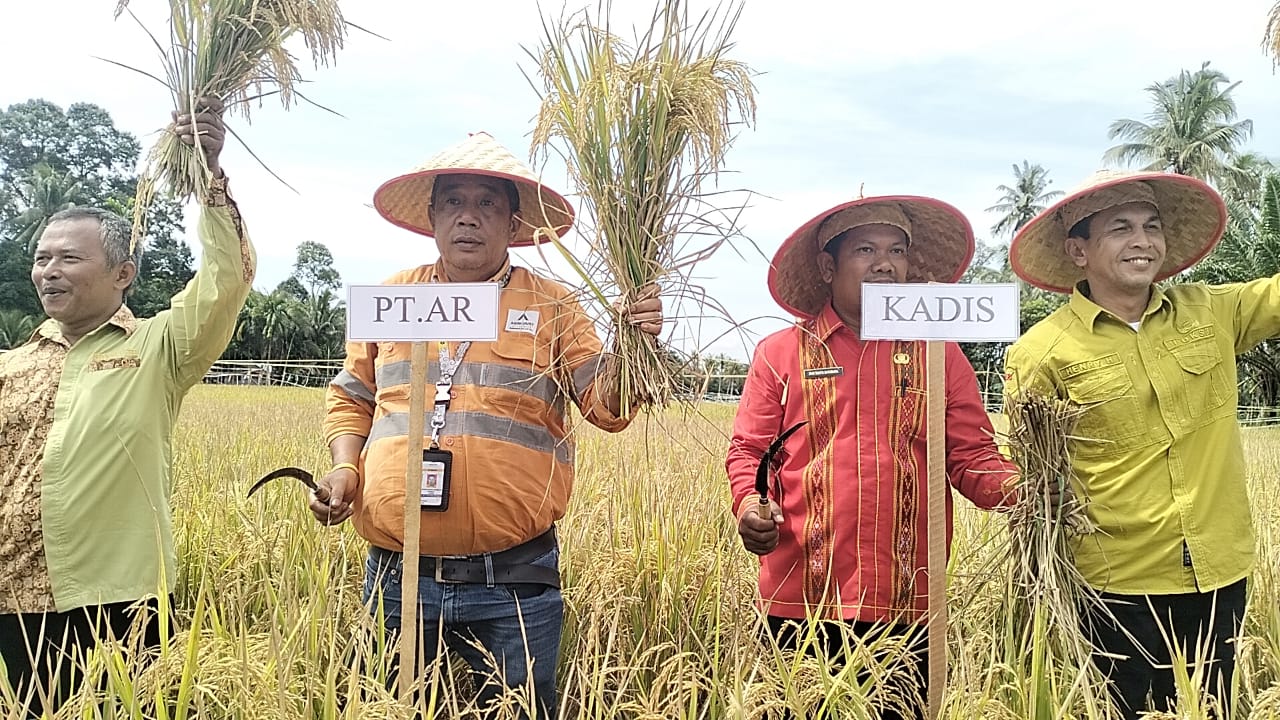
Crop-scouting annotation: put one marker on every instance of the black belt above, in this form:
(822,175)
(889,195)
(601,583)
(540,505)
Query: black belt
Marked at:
(506,567)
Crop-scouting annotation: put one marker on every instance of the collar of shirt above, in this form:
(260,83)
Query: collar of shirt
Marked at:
(437,273)
(123,319)
(828,322)
(1088,311)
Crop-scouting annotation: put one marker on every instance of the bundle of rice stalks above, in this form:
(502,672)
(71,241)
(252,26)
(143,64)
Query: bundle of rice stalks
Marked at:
(641,126)
(233,50)
(1047,593)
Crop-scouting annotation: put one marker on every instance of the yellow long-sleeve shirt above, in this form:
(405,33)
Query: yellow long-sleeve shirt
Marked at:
(1157,450)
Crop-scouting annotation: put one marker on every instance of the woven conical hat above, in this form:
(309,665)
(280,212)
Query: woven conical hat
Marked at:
(1192,214)
(940,251)
(403,200)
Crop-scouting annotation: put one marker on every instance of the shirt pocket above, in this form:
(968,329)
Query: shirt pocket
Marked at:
(1110,409)
(1204,380)
(523,378)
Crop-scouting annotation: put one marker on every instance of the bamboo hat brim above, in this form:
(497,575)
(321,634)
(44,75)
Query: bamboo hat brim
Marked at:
(941,246)
(1192,215)
(403,200)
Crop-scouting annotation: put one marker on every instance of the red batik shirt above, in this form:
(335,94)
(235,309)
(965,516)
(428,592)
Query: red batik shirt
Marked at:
(853,538)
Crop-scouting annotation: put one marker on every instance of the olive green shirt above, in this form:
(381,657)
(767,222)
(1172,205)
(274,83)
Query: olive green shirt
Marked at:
(86,430)
(1157,449)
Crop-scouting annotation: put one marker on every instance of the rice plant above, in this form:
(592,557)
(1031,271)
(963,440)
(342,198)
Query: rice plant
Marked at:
(236,51)
(660,616)
(1048,594)
(642,126)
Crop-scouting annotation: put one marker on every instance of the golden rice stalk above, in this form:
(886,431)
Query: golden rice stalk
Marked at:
(1048,592)
(233,50)
(641,126)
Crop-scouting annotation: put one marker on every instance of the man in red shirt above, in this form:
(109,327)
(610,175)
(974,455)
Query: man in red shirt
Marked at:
(844,542)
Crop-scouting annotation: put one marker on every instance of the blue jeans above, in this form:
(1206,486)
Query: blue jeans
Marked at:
(500,618)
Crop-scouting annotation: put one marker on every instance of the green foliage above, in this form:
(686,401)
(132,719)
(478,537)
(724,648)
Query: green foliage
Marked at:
(16,291)
(166,269)
(15,328)
(302,319)
(314,268)
(44,192)
(1250,248)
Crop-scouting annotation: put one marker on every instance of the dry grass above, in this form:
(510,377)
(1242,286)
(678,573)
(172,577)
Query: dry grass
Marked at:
(659,616)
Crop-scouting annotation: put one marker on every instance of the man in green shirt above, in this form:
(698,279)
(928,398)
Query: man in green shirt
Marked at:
(1157,450)
(87,408)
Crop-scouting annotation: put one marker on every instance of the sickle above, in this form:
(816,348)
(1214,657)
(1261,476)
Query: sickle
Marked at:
(762,472)
(299,474)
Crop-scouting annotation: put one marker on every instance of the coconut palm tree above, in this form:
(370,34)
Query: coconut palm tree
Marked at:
(1025,199)
(1192,129)
(44,193)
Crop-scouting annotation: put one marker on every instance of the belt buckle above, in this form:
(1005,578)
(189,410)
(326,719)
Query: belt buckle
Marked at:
(440,568)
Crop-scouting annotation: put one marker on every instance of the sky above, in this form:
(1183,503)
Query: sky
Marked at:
(922,98)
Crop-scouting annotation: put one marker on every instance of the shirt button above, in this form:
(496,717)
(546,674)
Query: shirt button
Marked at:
(448,441)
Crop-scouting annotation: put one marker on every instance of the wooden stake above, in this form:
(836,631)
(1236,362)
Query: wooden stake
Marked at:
(410,632)
(935,358)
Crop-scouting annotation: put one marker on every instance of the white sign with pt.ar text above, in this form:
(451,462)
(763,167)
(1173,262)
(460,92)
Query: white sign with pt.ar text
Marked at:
(935,311)
(418,313)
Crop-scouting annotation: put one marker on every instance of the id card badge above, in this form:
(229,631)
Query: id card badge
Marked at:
(437,466)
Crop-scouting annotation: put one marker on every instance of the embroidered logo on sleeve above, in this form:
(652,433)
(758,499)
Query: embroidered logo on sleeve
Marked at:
(522,321)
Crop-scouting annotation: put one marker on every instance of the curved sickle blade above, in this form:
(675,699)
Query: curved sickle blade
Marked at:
(299,474)
(762,471)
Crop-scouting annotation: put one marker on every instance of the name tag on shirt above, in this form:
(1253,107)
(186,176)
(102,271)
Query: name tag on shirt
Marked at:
(826,372)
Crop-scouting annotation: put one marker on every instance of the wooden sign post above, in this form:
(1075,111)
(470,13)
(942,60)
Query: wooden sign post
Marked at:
(937,313)
(418,314)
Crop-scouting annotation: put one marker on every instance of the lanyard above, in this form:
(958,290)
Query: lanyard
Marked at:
(448,367)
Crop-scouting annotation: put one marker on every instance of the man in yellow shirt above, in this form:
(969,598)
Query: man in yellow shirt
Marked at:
(1157,451)
(87,408)
(489,562)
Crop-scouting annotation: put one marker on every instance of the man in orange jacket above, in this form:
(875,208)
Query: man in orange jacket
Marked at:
(488,551)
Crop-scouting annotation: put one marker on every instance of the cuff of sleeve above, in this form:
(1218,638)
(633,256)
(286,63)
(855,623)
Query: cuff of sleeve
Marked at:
(217,194)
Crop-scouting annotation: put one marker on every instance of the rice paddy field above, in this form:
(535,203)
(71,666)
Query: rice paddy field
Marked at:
(660,620)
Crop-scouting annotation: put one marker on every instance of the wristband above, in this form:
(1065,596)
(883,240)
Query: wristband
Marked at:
(346,466)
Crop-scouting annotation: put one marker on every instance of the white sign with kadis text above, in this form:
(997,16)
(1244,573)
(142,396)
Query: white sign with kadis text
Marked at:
(959,312)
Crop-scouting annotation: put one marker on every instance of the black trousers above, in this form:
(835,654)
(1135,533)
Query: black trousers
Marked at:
(1201,623)
(789,634)
(42,651)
